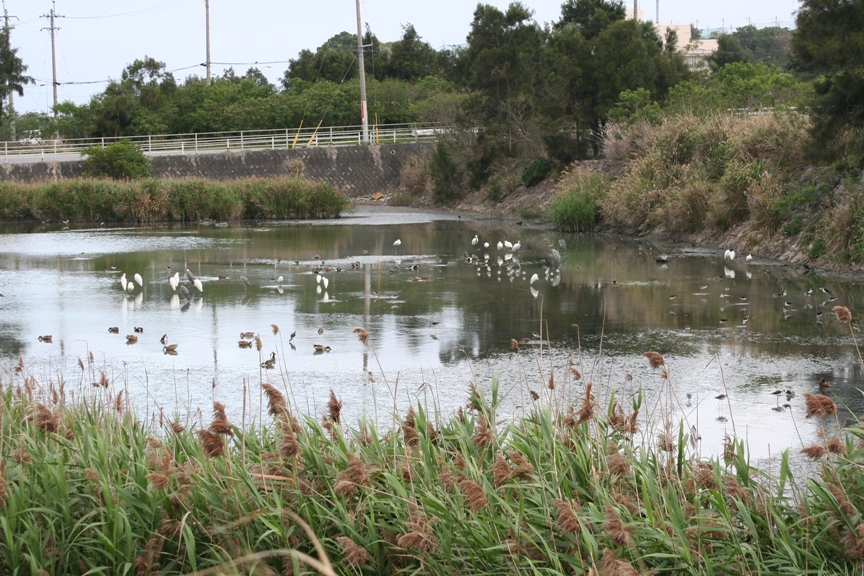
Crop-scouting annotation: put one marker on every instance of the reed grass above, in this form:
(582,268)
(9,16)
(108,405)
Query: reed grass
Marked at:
(150,200)
(570,486)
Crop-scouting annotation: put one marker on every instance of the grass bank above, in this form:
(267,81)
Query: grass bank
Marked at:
(92,200)
(745,181)
(569,488)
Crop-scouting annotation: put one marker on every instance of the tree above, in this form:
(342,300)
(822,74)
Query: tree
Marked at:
(829,44)
(410,57)
(13,75)
(729,50)
(120,160)
(503,60)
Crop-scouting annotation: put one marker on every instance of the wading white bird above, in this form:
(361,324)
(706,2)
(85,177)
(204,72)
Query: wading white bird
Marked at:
(749,257)
(517,245)
(508,244)
(397,242)
(174,281)
(730,254)
(534,278)
(139,280)
(198,285)
(123,281)
(475,240)
(325,281)
(500,245)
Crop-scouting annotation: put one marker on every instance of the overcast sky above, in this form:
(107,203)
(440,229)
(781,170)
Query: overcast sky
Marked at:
(98,38)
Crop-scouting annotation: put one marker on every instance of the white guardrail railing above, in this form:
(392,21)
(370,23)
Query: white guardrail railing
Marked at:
(35,149)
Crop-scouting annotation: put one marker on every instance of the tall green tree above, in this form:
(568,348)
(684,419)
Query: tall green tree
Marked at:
(410,57)
(13,72)
(829,44)
(502,61)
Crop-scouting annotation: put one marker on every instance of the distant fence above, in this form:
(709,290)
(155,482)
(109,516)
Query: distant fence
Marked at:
(35,149)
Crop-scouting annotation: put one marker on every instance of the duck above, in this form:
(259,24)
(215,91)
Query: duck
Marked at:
(320,348)
(270,362)
(113,329)
(167,349)
(247,335)
(47,338)
(138,329)
(244,344)
(131,339)
(164,339)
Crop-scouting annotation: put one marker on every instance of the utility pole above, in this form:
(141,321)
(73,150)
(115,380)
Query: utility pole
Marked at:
(52,15)
(364,120)
(635,9)
(11,92)
(207,12)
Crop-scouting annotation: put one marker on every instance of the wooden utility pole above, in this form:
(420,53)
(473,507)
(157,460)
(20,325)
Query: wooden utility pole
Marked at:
(51,16)
(635,9)
(364,119)
(207,13)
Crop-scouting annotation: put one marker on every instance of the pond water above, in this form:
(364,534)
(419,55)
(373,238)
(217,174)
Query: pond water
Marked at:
(436,317)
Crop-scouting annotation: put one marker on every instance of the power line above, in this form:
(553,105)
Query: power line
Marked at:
(150,10)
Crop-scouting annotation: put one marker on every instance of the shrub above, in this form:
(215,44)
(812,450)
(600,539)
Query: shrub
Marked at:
(536,171)
(576,209)
(120,161)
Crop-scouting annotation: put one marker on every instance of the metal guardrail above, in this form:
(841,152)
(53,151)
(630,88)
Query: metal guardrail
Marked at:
(33,149)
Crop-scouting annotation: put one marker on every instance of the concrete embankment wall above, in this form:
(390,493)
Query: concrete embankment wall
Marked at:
(359,170)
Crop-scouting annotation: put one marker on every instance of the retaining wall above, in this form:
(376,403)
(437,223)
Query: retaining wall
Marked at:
(359,170)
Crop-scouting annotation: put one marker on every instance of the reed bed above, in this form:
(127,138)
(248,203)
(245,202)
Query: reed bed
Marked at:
(573,486)
(96,200)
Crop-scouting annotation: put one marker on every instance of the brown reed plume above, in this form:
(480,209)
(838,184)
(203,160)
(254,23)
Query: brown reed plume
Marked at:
(409,430)
(362,335)
(845,315)
(334,408)
(176,427)
(483,434)
(655,360)
(159,481)
(819,405)
(354,553)
(275,329)
(419,537)
(220,424)
(502,472)
(814,451)
(353,476)
(212,443)
(568,520)
(46,419)
(474,495)
(514,344)
(276,404)
(258,344)
(586,412)
(612,566)
(289,447)
(836,446)
(615,528)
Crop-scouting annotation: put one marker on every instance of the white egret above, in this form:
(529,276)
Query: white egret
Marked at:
(508,244)
(123,281)
(517,245)
(279,280)
(325,281)
(534,279)
(397,242)
(749,257)
(556,256)
(139,280)
(130,286)
(730,254)
(198,285)
(174,281)
(485,245)
(317,278)
(475,240)
(500,245)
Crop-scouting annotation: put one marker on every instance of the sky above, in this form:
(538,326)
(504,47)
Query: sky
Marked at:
(96,39)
